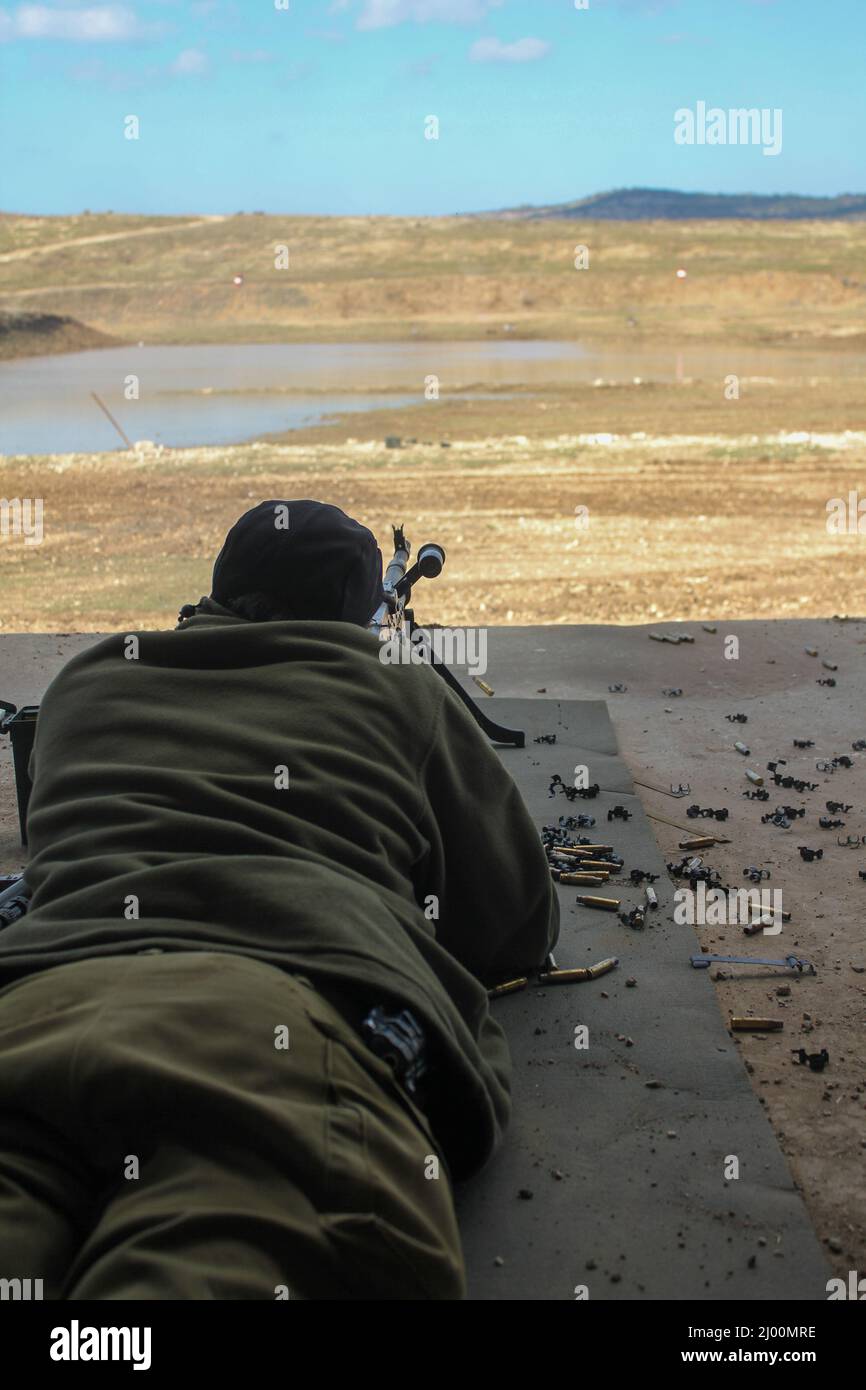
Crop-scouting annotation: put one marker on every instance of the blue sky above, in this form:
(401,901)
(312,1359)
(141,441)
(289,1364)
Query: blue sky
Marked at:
(319,106)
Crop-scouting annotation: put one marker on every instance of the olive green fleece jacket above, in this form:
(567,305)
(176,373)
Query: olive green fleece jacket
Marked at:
(276,790)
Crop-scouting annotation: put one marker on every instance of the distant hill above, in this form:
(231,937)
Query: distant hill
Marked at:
(665,204)
(38,335)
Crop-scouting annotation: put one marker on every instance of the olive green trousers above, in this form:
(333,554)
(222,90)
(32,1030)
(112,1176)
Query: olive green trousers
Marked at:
(200,1125)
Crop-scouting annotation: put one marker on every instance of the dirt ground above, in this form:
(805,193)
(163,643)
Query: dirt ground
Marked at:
(819,1118)
(679,526)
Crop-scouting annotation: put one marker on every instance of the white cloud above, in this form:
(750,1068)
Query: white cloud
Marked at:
(521,51)
(93,24)
(189,63)
(384,14)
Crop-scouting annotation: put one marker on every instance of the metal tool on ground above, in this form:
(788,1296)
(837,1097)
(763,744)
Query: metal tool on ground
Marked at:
(797,963)
(685,829)
(675,792)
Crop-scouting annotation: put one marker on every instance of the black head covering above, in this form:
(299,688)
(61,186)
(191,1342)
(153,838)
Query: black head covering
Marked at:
(310,557)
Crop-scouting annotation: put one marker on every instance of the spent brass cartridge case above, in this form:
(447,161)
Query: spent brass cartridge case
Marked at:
(584,851)
(604,904)
(742,748)
(651,896)
(698,842)
(757,1025)
(509,987)
(754,777)
(584,879)
(570,977)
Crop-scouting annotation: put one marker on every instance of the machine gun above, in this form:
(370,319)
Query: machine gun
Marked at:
(394,622)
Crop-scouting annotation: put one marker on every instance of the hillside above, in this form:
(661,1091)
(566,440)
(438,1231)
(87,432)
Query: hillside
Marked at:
(220,279)
(39,335)
(651,204)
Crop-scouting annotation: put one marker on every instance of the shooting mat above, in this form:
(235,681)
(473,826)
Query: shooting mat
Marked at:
(603,1180)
